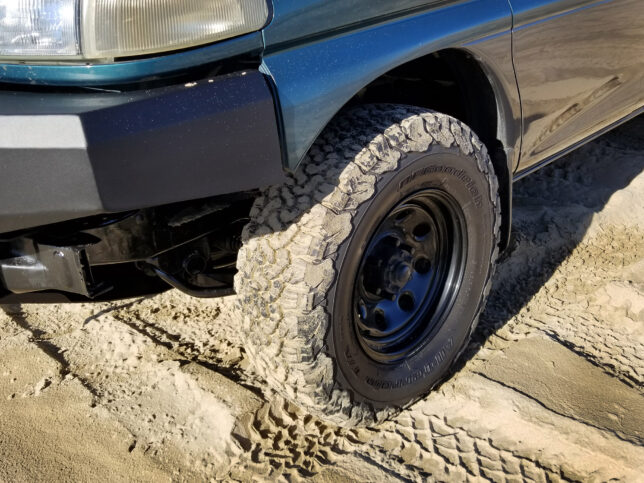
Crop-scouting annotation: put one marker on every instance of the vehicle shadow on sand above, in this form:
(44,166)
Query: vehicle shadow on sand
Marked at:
(552,213)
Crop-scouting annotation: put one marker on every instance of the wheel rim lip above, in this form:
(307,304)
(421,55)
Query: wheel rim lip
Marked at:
(441,285)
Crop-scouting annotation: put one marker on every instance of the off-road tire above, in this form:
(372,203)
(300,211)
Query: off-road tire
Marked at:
(299,239)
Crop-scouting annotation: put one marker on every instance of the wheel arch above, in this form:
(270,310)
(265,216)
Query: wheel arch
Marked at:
(315,81)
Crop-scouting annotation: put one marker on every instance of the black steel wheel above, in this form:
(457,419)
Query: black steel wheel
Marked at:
(409,275)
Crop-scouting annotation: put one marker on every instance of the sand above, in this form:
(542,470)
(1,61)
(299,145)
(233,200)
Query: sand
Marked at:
(552,386)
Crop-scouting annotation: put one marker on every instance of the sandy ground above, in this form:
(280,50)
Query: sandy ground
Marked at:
(552,387)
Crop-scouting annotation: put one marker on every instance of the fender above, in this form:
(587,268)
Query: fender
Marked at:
(315,76)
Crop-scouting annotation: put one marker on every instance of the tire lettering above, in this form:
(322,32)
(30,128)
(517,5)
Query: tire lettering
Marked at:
(438,359)
(457,173)
(352,362)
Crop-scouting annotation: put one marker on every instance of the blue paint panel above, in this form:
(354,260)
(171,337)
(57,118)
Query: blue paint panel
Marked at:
(580,67)
(295,20)
(128,71)
(315,80)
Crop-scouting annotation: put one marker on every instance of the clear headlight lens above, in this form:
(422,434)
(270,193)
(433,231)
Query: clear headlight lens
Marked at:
(103,29)
(38,28)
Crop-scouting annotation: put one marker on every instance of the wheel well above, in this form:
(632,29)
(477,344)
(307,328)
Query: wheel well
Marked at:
(451,82)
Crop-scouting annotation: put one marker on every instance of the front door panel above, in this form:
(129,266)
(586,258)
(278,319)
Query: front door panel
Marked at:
(579,65)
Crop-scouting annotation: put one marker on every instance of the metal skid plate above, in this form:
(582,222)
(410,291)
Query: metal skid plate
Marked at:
(47,267)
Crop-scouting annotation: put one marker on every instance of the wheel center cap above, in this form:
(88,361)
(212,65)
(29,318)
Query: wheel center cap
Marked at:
(402,274)
(397,275)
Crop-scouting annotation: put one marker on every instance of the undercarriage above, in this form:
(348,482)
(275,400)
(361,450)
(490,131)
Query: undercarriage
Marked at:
(189,246)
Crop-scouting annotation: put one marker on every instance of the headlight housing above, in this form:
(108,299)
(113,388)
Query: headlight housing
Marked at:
(104,29)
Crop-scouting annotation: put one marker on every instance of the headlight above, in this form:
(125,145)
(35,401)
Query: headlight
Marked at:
(104,29)
(39,28)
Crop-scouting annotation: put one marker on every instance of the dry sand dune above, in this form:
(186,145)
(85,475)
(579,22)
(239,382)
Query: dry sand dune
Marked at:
(552,387)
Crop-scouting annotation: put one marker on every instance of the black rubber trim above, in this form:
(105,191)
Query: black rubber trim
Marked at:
(75,155)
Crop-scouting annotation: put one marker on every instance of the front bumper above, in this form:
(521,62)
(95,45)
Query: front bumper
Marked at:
(71,155)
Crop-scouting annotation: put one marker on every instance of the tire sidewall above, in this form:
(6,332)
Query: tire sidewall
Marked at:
(450,170)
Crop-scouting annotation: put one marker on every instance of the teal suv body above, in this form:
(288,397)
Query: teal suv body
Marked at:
(345,167)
